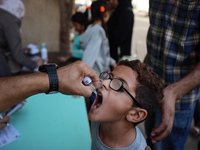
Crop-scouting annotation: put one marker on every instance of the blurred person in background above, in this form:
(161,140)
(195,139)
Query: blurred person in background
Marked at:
(120,28)
(94,40)
(79,21)
(12,57)
(113,5)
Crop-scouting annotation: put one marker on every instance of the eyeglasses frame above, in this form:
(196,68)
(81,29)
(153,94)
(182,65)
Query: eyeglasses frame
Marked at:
(122,87)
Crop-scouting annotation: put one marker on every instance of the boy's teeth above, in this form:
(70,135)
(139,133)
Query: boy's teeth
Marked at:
(99,94)
(95,106)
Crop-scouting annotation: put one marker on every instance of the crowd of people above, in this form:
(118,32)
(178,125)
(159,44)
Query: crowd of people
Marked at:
(164,90)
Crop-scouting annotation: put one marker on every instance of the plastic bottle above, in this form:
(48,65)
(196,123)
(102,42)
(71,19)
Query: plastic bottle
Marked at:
(44,52)
(88,81)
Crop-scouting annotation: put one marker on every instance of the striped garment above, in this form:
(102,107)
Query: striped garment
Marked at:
(173,42)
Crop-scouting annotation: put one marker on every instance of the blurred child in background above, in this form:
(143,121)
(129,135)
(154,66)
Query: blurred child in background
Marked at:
(79,22)
(94,40)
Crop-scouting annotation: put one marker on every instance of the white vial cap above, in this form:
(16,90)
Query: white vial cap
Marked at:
(87,80)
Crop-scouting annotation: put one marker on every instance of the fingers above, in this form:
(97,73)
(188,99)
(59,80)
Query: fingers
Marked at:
(2,126)
(41,61)
(71,77)
(87,71)
(159,133)
(6,119)
(147,148)
(167,117)
(62,59)
(86,91)
(4,122)
(92,74)
(164,128)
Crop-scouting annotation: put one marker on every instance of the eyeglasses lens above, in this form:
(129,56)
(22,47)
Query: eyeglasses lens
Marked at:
(115,84)
(104,76)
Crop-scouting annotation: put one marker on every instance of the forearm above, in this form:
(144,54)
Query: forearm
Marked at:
(172,93)
(18,88)
(186,84)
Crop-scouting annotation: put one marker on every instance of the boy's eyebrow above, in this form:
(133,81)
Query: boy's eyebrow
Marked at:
(111,74)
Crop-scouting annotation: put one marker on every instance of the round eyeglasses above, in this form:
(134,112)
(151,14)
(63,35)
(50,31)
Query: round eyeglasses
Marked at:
(116,85)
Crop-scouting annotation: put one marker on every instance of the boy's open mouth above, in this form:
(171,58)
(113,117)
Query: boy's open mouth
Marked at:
(98,101)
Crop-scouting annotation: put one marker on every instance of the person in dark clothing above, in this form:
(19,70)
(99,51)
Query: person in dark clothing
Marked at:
(120,28)
(12,57)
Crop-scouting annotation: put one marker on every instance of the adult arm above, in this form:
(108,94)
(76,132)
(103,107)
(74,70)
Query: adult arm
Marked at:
(172,93)
(12,35)
(17,88)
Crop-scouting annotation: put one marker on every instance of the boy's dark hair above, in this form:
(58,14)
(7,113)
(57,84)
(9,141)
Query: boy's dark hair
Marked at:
(98,9)
(149,90)
(79,18)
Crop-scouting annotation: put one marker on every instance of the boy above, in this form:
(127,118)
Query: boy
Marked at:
(127,95)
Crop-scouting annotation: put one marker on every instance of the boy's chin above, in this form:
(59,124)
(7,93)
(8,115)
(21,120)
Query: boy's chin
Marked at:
(92,116)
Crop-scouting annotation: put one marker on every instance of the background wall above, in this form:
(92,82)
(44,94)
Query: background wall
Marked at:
(41,23)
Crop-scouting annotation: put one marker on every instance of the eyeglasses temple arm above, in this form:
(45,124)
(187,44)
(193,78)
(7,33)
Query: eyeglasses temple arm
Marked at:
(132,97)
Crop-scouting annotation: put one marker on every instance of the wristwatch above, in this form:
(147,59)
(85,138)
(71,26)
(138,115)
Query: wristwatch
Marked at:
(51,69)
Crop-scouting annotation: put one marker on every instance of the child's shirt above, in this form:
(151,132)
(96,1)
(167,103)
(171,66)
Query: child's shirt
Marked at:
(138,144)
(77,50)
(96,49)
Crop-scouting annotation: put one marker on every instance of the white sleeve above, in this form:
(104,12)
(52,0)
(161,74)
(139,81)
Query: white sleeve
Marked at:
(92,49)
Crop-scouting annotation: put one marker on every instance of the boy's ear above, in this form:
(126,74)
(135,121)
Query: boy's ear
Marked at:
(136,114)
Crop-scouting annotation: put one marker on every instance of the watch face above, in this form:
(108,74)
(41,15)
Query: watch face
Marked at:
(43,68)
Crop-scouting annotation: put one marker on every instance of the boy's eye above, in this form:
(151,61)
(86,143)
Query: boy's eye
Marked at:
(121,90)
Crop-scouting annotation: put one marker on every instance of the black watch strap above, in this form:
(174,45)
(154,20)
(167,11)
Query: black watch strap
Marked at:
(51,69)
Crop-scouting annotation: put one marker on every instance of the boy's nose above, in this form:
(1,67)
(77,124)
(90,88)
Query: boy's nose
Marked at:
(105,83)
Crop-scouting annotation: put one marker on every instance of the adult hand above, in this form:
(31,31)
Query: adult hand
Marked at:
(64,59)
(167,117)
(147,148)
(71,76)
(26,50)
(3,122)
(17,88)
(41,61)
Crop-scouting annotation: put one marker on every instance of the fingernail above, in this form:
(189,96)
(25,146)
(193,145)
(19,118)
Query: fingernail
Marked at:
(153,141)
